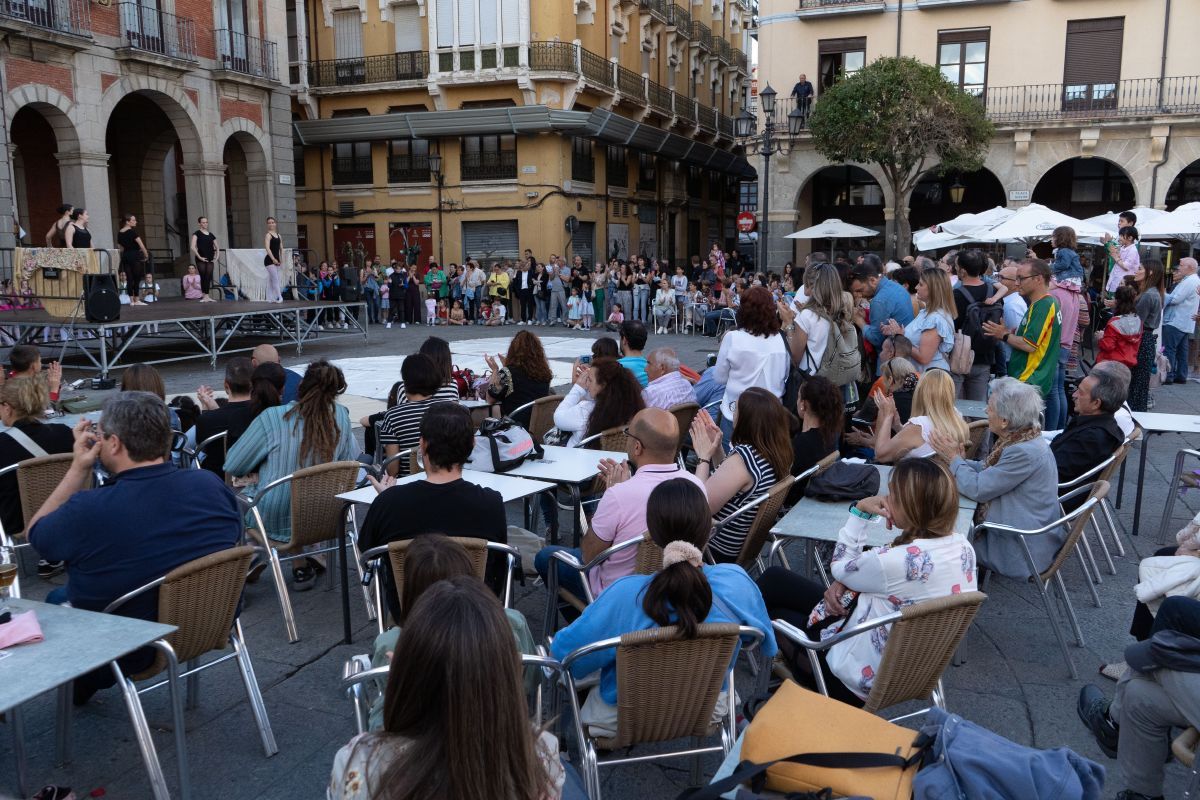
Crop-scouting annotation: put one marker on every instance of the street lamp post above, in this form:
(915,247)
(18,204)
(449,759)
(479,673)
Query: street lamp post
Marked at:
(768,144)
(435,166)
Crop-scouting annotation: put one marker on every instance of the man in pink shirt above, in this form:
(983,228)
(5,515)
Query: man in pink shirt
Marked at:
(651,445)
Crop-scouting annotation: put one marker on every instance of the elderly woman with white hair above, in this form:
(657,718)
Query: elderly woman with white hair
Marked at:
(1016,485)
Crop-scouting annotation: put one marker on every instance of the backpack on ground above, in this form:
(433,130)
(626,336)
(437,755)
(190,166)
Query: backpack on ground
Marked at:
(502,445)
(977,313)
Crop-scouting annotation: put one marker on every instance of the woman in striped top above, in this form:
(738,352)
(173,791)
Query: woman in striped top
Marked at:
(761,456)
(311,430)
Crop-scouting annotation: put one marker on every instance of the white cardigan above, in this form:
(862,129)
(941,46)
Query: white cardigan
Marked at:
(573,413)
(745,361)
(1160,577)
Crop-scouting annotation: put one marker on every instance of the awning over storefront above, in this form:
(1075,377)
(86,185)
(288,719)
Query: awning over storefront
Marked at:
(598,124)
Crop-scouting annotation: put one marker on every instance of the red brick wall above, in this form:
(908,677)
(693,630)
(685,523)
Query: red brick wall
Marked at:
(241,108)
(20,71)
(201,14)
(104,19)
(194,95)
(107,80)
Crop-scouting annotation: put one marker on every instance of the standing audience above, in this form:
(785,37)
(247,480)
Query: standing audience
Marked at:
(752,356)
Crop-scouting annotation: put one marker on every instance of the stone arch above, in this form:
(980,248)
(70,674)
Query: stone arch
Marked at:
(46,162)
(1185,155)
(53,105)
(1108,181)
(170,98)
(248,183)
(253,139)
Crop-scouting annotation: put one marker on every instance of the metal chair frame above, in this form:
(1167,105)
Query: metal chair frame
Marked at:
(540,430)
(10,540)
(368,566)
(553,590)
(414,462)
(193,455)
(590,763)
(1035,576)
(1172,490)
(1101,471)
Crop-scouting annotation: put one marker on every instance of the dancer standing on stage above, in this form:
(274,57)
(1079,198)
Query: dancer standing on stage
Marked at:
(134,256)
(273,243)
(56,236)
(205,249)
(78,236)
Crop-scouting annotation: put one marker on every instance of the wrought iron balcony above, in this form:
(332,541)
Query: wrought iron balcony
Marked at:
(1134,97)
(679,18)
(553,57)
(63,16)
(246,54)
(596,70)
(821,8)
(408,66)
(631,85)
(684,107)
(489,166)
(702,34)
(656,8)
(660,98)
(707,117)
(352,170)
(408,169)
(725,125)
(149,30)
(723,50)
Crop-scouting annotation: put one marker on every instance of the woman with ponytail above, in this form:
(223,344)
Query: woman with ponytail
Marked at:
(266,387)
(311,430)
(686,593)
(928,559)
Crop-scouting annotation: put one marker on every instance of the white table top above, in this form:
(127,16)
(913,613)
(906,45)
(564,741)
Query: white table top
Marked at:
(510,488)
(972,409)
(70,420)
(566,464)
(816,519)
(1167,423)
(476,403)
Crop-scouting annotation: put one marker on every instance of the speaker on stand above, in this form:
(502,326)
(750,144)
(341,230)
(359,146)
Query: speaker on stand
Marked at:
(101,301)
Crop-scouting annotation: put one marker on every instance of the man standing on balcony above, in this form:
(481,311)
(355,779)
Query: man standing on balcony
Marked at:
(803,94)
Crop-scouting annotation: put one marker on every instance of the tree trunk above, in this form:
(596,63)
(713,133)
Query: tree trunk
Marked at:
(904,245)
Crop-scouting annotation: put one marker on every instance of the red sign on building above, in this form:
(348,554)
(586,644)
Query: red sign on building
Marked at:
(745,221)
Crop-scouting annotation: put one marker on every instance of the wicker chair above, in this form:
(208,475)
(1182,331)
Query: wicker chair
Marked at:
(414,462)
(647,561)
(922,640)
(976,430)
(201,599)
(612,440)
(37,478)
(317,516)
(765,509)
(1077,519)
(667,689)
(684,414)
(396,553)
(541,414)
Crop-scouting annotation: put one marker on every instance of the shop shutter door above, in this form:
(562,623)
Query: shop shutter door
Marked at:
(407,20)
(583,243)
(490,241)
(1094,51)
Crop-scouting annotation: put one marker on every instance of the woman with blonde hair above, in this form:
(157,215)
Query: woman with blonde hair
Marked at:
(828,304)
(932,410)
(932,331)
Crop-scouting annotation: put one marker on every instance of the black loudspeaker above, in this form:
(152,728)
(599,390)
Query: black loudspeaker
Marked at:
(101,303)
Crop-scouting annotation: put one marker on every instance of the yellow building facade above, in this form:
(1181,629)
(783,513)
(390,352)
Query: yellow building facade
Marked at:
(452,128)
(1096,105)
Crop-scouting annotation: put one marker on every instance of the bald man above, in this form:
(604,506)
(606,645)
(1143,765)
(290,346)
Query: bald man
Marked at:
(621,515)
(267,354)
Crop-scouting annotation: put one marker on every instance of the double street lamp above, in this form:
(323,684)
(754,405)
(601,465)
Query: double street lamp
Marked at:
(775,134)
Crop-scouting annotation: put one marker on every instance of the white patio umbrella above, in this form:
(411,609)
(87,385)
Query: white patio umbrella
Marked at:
(1033,223)
(1109,221)
(834,229)
(958,230)
(1182,223)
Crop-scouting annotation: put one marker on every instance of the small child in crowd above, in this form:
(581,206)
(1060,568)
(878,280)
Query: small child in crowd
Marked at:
(430,311)
(443,313)
(1066,268)
(498,313)
(457,316)
(615,318)
(574,310)
(191,285)
(589,314)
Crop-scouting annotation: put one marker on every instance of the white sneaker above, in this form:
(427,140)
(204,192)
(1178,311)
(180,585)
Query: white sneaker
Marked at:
(403,324)
(389,325)
(320,327)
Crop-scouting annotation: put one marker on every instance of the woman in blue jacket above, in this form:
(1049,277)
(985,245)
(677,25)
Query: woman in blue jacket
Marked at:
(686,592)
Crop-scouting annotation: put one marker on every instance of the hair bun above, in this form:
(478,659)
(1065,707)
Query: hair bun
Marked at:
(679,551)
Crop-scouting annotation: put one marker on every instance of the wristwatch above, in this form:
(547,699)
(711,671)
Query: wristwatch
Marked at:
(855,511)
(1004,338)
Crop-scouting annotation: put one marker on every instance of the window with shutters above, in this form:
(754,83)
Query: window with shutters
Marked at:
(408,161)
(465,25)
(583,242)
(963,59)
(407,21)
(347,34)
(1092,69)
(616,169)
(840,58)
(489,158)
(583,162)
(748,196)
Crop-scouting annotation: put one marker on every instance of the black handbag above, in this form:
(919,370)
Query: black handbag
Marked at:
(795,379)
(844,481)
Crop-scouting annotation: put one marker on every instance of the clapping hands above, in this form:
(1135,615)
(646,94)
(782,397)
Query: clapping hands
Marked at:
(706,435)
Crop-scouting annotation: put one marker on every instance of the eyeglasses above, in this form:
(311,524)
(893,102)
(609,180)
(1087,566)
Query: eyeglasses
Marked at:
(625,431)
(1020,278)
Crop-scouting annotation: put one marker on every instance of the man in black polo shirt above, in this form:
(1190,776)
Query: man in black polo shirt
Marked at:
(442,503)
(150,518)
(232,416)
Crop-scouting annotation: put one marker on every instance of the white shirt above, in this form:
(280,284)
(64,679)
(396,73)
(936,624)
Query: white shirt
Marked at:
(818,335)
(1015,308)
(573,412)
(745,361)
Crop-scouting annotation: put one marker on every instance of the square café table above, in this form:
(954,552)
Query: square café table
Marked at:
(510,488)
(972,409)
(569,467)
(76,642)
(1151,424)
(819,520)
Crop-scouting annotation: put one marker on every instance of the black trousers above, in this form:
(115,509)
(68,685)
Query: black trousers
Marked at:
(791,597)
(135,271)
(205,268)
(1143,618)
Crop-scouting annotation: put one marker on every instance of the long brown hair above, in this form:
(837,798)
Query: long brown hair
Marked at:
(266,387)
(680,594)
(824,400)
(762,422)
(619,399)
(143,378)
(316,408)
(455,693)
(927,495)
(1155,277)
(430,558)
(526,353)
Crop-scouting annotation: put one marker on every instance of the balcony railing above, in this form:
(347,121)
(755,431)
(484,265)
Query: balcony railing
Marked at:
(740,61)
(596,70)
(408,169)
(703,34)
(679,18)
(246,54)
(684,107)
(1134,97)
(725,125)
(723,50)
(660,98)
(553,57)
(656,8)
(839,6)
(64,16)
(707,117)
(370,69)
(631,85)
(352,170)
(489,166)
(152,31)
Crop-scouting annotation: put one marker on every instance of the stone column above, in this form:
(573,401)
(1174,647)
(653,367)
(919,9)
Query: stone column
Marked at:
(85,176)
(780,249)
(204,185)
(8,194)
(280,163)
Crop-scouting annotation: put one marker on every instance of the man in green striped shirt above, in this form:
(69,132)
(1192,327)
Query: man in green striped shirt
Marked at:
(1035,344)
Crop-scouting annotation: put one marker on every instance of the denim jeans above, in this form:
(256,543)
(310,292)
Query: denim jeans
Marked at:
(640,295)
(625,299)
(1175,347)
(543,306)
(1056,403)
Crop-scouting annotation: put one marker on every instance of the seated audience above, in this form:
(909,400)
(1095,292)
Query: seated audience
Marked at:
(1092,435)
(521,377)
(651,445)
(372,450)
(605,347)
(456,695)
(441,503)
(633,342)
(686,593)
(927,560)
(25,361)
(822,416)
(1123,415)
(267,354)
(438,350)
(232,416)
(932,410)
(401,426)
(23,402)
(1016,485)
(312,430)
(761,456)
(133,530)
(605,395)
(667,387)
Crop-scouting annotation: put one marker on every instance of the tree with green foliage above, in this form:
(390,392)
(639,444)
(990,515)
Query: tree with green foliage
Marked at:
(903,116)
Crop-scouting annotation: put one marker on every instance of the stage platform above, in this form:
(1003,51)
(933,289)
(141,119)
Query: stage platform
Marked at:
(177,330)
